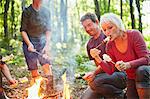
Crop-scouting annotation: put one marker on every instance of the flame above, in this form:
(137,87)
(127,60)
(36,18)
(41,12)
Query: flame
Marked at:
(34,90)
(66,91)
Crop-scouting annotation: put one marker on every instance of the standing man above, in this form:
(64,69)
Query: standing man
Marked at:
(35,31)
(100,83)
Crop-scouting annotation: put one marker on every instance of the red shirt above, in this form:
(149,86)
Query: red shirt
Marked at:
(136,54)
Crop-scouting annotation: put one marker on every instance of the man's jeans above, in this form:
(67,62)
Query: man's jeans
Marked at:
(108,86)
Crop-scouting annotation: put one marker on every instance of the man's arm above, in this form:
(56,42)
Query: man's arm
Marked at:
(27,41)
(48,37)
(25,38)
(46,49)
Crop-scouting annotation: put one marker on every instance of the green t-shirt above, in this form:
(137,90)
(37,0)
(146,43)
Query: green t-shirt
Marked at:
(35,23)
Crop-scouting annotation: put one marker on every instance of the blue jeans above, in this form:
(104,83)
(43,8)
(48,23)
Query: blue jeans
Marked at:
(2,96)
(33,58)
(108,86)
(142,81)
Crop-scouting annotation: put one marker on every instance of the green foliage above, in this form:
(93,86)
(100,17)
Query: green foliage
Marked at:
(19,72)
(147,39)
(81,58)
(84,64)
(15,48)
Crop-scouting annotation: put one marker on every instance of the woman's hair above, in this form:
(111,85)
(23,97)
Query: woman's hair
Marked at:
(89,15)
(114,19)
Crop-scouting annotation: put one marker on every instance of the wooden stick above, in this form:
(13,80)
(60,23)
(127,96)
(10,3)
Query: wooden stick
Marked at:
(39,53)
(100,44)
(113,62)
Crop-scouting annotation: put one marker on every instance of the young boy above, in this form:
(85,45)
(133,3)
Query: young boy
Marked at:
(5,70)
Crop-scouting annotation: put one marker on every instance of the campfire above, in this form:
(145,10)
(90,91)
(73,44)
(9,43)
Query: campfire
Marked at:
(66,91)
(38,90)
(34,90)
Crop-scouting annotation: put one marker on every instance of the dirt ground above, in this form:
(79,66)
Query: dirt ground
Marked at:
(20,92)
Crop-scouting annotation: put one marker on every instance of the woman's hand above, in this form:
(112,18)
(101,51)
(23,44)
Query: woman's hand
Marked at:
(122,66)
(95,52)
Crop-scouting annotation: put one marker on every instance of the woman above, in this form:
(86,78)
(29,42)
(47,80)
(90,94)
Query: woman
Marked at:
(128,52)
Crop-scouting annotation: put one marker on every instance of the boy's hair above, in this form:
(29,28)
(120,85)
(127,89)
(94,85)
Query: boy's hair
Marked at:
(1,62)
(89,15)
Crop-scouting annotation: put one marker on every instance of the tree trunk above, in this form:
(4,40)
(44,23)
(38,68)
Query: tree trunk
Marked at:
(121,11)
(108,5)
(140,15)
(6,7)
(132,15)
(105,6)
(76,30)
(56,16)
(63,15)
(97,10)
(12,18)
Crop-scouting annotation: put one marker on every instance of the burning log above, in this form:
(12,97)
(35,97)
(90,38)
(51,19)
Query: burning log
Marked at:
(56,95)
(50,85)
(43,88)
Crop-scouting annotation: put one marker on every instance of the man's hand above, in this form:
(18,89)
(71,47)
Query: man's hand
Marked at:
(31,48)
(122,66)
(89,77)
(95,52)
(46,49)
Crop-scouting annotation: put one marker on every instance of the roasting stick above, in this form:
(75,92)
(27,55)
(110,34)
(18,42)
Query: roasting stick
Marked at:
(99,44)
(38,53)
(104,41)
(113,62)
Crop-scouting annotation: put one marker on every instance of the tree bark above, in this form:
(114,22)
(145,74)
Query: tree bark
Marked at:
(132,15)
(63,13)
(108,5)
(12,18)
(121,11)
(97,9)
(140,15)
(6,7)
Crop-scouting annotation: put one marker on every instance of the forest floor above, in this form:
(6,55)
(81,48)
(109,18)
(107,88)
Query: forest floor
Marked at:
(76,87)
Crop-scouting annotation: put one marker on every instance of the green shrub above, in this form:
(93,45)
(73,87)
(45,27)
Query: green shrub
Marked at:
(147,40)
